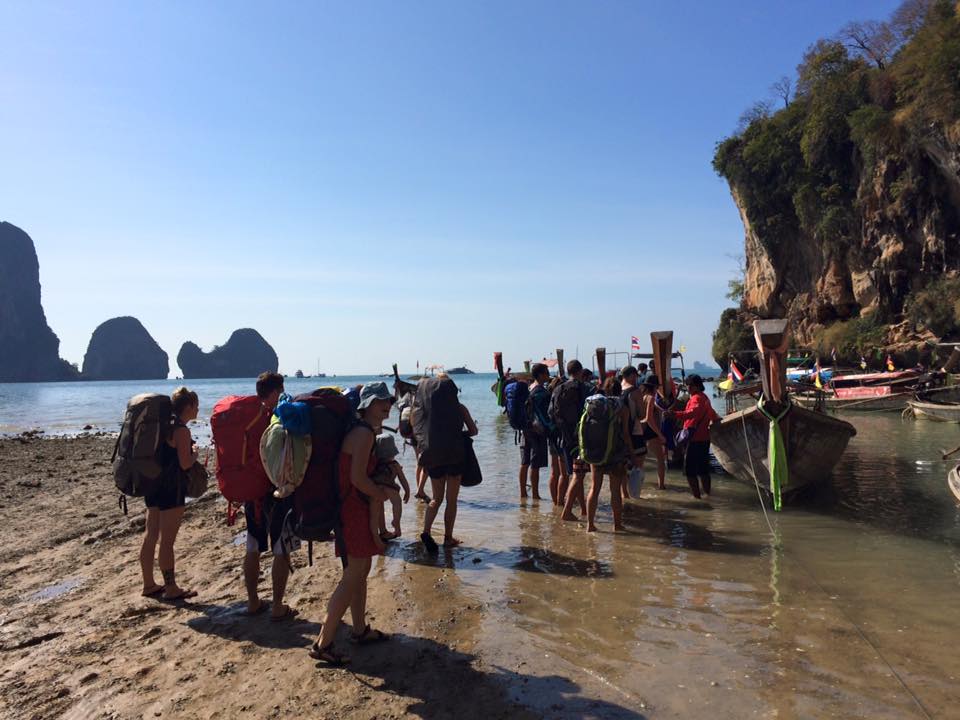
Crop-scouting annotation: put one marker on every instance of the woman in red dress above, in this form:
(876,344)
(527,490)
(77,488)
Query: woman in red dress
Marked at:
(357,462)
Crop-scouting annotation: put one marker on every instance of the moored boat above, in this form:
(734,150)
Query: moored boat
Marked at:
(941,412)
(953,481)
(865,392)
(813,441)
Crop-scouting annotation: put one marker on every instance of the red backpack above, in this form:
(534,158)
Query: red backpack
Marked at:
(237,423)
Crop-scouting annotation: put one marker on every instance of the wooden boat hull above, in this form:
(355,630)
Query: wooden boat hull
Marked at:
(814,442)
(896,402)
(941,412)
(947,394)
(953,481)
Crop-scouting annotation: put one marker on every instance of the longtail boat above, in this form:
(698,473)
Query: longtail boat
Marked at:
(866,392)
(402,387)
(662,341)
(940,411)
(812,442)
(601,365)
(953,482)
(561,368)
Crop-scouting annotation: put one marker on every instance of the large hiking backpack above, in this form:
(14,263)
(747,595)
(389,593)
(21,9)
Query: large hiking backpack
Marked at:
(517,396)
(599,434)
(438,424)
(566,407)
(137,470)
(237,424)
(405,407)
(316,502)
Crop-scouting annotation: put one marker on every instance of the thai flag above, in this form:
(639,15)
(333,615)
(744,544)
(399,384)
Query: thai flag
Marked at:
(735,372)
(634,342)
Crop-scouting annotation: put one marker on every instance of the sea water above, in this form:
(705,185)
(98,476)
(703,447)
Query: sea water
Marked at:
(700,607)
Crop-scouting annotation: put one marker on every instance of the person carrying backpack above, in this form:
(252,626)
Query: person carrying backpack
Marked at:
(631,397)
(537,428)
(566,407)
(609,418)
(356,544)
(438,421)
(559,477)
(265,518)
(166,504)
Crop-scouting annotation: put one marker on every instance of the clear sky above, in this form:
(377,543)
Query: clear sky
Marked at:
(377,182)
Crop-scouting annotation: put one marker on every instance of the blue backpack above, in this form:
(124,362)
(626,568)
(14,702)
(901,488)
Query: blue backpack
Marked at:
(517,394)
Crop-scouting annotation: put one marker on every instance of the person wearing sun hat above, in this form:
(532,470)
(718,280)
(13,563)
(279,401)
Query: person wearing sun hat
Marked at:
(356,543)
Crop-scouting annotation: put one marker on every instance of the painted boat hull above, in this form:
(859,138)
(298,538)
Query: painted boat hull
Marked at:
(940,412)
(896,402)
(953,481)
(814,442)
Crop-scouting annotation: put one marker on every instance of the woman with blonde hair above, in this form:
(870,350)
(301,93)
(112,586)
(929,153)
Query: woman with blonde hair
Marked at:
(166,506)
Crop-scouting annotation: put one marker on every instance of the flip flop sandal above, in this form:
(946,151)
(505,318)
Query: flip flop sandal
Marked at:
(288,614)
(430,544)
(185,595)
(452,543)
(328,655)
(369,636)
(157,590)
(387,537)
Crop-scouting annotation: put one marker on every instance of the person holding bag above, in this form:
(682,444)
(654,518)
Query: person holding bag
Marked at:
(696,419)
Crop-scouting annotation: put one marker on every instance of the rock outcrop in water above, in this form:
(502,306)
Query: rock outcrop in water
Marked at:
(246,354)
(122,349)
(850,194)
(29,349)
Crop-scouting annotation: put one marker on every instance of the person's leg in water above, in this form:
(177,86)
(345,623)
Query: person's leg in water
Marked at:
(450,513)
(524,469)
(574,491)
(169,527)
(596,483)
(148,549)
(705,483)
(656,446)
(421,482)
(554,477)
(618,481)
(433,507)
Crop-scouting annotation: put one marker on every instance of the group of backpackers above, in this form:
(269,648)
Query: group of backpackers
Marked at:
(315,467)
(607,428)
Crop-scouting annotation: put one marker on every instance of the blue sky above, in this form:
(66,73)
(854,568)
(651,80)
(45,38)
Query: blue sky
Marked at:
(379,182)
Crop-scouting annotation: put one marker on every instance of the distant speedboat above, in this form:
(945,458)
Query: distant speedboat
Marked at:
(460,371)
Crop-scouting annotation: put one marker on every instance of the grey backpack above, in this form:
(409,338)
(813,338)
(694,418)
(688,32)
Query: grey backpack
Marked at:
(137,470)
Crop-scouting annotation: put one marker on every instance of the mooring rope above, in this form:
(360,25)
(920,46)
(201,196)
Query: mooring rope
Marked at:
(778,545)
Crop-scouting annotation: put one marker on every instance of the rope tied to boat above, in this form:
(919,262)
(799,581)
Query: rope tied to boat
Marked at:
(776,454)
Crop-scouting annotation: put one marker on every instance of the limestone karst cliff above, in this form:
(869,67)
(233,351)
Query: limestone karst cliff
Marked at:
(122,349)
(29,349)
(245,355)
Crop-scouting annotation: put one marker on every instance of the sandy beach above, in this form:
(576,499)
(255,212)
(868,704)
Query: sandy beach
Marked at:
(77,640)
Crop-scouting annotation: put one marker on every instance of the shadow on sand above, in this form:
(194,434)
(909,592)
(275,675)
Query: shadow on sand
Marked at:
(231,622)
(423,670)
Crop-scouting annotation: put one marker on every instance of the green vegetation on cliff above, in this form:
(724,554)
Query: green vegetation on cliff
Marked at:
(850,191)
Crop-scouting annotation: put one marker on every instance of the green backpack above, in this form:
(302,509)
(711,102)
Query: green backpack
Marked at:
(598,432)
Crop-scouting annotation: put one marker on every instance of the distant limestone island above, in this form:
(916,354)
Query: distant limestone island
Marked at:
(245,354)
(119,349)
(122,349)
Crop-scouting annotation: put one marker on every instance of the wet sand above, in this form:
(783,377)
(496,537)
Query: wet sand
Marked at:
(692,613)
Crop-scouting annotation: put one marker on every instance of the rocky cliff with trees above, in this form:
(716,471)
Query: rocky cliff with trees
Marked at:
(245,355)
(29,349)
(848,186)
(122,349)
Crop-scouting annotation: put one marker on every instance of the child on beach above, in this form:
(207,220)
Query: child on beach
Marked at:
(387,472)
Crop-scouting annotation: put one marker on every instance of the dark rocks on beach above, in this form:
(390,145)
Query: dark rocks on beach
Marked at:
(246,354)
(122,349)
(29,349)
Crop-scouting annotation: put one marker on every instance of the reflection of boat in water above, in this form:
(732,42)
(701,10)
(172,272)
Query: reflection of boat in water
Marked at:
(953,480)
(813,440)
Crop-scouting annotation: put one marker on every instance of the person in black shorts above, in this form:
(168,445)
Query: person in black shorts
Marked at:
(265,524)
(533,441)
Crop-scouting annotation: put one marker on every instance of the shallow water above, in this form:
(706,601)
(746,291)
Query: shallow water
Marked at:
(699,610)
